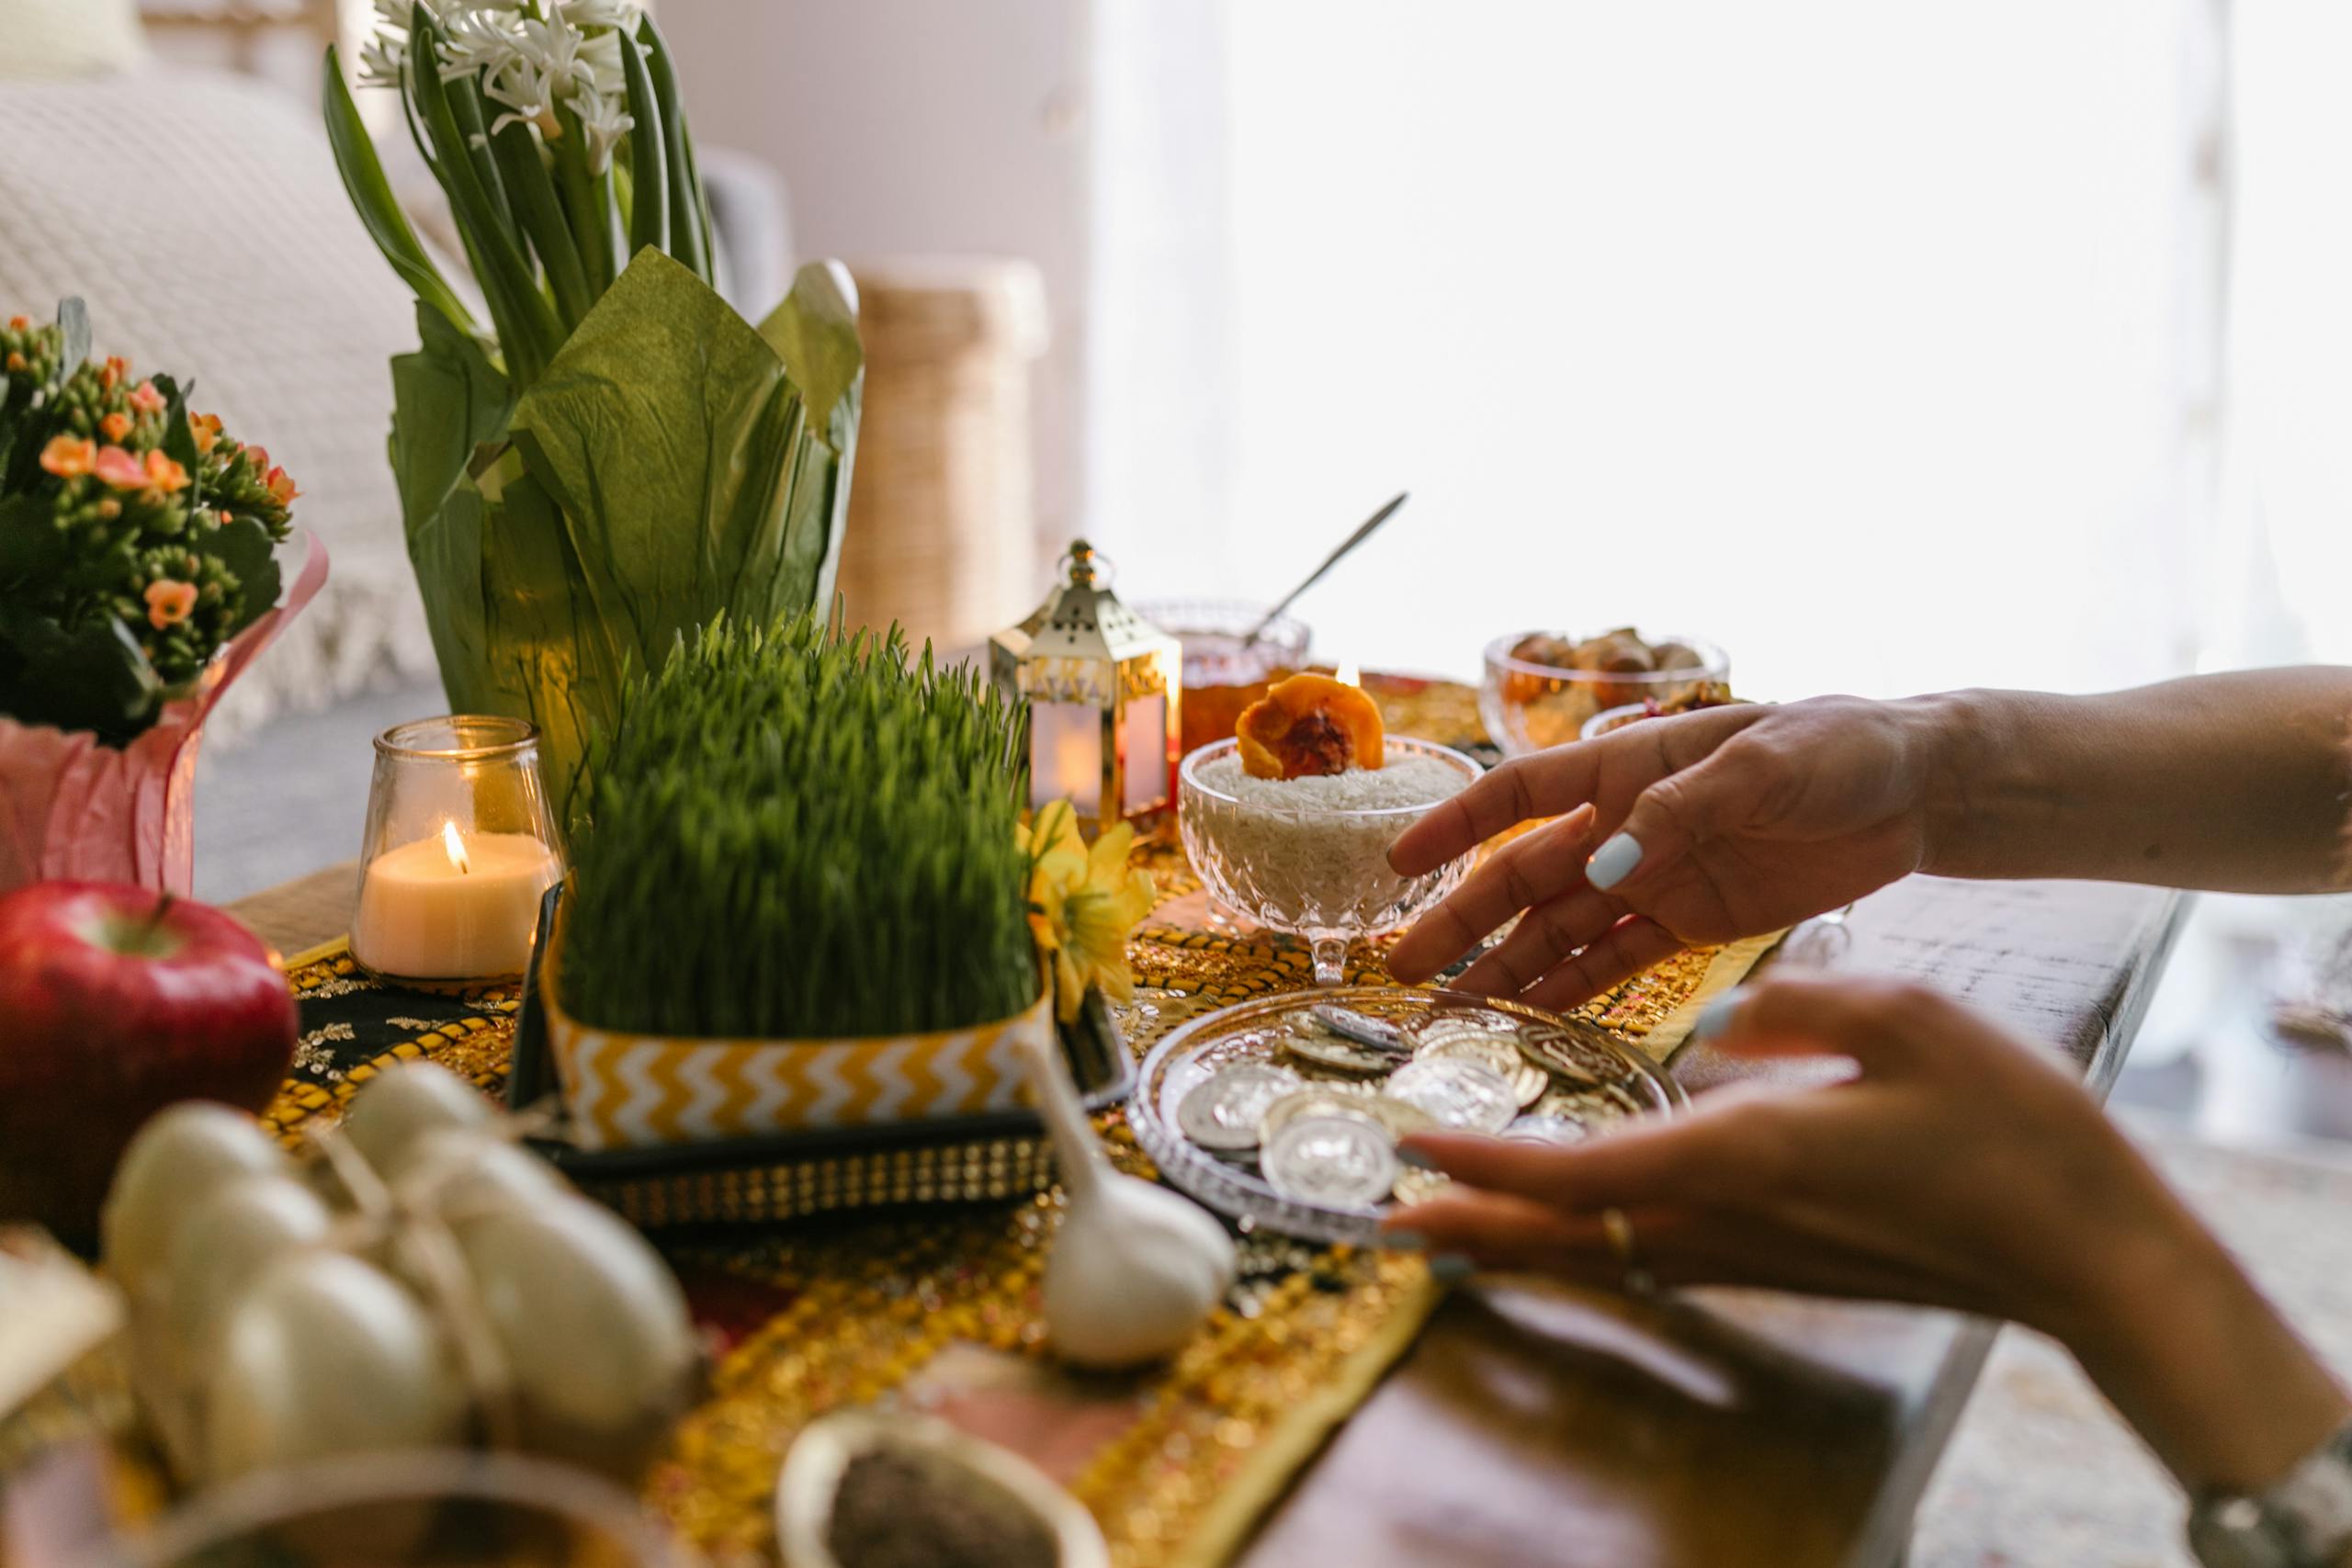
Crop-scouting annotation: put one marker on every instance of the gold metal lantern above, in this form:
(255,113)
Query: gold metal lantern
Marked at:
(1101,687)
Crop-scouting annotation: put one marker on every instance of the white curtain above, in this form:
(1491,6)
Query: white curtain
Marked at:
(1875,342)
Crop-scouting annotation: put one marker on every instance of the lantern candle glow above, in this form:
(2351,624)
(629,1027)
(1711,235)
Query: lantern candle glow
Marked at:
(1101,688)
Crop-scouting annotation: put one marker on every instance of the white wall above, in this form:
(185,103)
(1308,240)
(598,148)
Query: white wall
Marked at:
(918,126)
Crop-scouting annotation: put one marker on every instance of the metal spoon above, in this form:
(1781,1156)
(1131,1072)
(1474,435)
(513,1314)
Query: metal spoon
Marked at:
(1352,540)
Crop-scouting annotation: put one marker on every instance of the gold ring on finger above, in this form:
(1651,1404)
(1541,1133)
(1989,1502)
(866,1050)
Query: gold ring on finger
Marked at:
(1618,1227)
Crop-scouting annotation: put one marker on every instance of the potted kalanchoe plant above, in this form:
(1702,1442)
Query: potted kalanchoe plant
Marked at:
(613,456)
(138,575)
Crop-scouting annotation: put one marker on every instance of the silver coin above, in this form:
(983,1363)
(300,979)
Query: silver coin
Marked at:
(1328,1100)
(1221,1112)
(1349,1024)
(1312,1043)
(1438,1024)
(1339,1161)
(1554,1130)
(1466,1096)
(1499,1052)
(1581,1052)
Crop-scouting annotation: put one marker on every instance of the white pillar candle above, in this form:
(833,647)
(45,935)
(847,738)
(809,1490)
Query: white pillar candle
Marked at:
(454,905)
(1143,753)
(1066,756)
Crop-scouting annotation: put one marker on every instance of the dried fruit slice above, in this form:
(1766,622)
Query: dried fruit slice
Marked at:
(1309,725)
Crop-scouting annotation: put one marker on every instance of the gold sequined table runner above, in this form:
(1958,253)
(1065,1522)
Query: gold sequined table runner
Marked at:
(938,1307)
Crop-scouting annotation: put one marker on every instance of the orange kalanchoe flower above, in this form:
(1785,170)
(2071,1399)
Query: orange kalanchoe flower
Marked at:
(205,428)
(164,474)
(116,425)
(169,603)
(120,468)
(146,400)
(67,456)
(111,374)
(21,323)
(281,487)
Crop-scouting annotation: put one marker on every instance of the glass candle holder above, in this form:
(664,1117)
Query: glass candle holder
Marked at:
(460,847)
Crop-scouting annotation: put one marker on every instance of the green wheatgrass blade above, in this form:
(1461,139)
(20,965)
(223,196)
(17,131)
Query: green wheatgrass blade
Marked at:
(793,832)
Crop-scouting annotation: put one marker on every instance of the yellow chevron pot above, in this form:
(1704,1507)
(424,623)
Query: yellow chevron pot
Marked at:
(640,1091)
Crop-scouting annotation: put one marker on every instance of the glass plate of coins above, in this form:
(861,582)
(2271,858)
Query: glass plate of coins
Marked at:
(1286,1111)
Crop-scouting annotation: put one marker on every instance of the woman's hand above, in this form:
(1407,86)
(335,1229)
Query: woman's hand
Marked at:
(1713,825)
(1735,821)
(1958,1167)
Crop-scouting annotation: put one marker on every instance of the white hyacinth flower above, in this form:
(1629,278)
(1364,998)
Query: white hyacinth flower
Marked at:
(380,59)
(603,53)
(584,14)
(605,119)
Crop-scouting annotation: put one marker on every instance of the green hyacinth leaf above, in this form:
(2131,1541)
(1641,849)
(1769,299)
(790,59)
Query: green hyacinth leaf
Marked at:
(448,399)
(815,332)
(672,434)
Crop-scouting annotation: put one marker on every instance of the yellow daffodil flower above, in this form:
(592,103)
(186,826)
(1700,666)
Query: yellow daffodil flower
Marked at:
(1082,904)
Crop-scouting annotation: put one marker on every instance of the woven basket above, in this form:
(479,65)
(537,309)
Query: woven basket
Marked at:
(942,529)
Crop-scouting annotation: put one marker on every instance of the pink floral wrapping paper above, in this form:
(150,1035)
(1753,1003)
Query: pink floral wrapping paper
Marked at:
(71,807)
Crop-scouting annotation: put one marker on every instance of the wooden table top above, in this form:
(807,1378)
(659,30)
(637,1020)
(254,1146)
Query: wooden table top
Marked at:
(1531,1424)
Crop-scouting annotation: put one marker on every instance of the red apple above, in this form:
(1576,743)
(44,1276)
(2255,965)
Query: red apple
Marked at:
(116,1001)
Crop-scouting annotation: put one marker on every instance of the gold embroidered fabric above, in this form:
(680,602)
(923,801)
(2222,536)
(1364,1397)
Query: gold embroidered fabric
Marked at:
(937,1306)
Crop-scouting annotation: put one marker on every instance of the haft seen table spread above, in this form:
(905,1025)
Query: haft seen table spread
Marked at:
(1521,1424)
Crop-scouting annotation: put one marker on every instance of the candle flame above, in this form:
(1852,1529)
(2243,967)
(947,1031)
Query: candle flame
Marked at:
(457,848)
(1348,674)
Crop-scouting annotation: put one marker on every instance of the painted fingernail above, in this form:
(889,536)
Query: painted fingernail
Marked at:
(1447,1268)
(1415,1158)
(1613,862)
(1402,1241)
(1716,1016)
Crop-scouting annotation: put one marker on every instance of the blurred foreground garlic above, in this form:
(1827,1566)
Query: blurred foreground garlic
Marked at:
(183,1155)
(428,1283)
(1136,1269)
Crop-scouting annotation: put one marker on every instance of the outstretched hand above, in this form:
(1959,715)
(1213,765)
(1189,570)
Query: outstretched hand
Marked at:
(1958,1167)
(1703,828)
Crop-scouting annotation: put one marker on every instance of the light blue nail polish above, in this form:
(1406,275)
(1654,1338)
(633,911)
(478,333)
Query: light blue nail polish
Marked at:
(1415,1158)
(1402,1241)
(1449,1268)
(1716,1016)
(1613,862)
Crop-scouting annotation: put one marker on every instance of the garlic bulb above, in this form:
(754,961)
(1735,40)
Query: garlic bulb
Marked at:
(460,1170)
(591,1325)
(224,1244)
(184,1154)
(389,1115)
(327,1355)
(1136,1269)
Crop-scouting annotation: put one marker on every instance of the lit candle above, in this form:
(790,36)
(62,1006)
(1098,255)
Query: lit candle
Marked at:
(1066,756)
(1143,753)
(452,905)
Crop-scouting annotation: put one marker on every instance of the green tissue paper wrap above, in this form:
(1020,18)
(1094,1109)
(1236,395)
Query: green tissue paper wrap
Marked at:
(671,462)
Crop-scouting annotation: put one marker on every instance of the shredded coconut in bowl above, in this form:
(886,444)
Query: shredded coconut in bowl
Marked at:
(1311,854)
